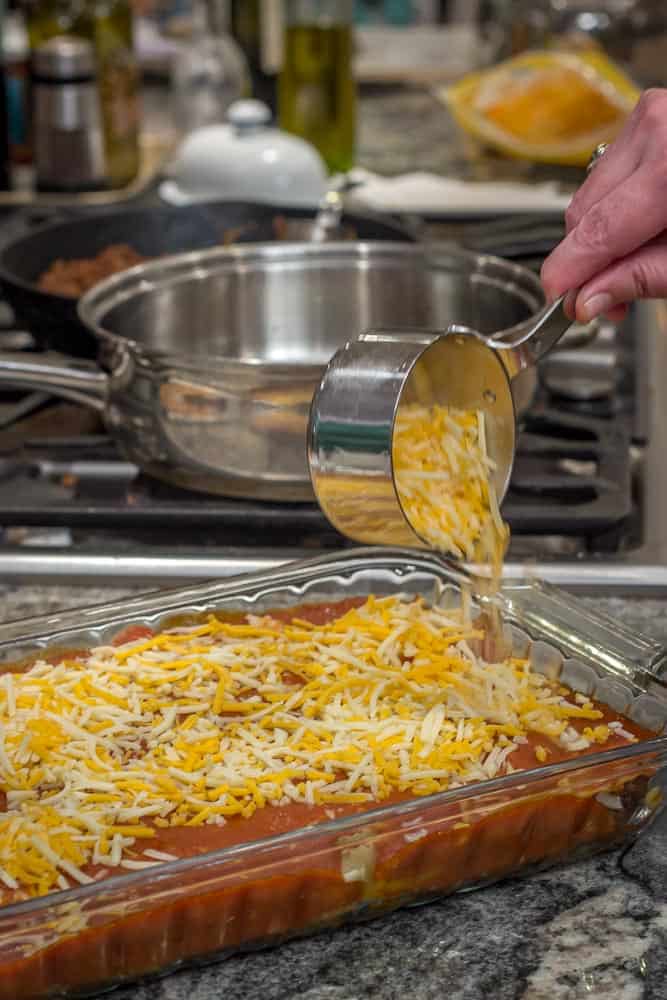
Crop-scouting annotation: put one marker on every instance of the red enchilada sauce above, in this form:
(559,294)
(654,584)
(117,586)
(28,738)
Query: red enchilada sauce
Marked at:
(457,845)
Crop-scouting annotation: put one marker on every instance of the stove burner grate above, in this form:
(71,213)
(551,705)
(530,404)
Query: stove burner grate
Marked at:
(572,476)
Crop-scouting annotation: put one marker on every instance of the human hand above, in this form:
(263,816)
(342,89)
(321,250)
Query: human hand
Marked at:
(615,248)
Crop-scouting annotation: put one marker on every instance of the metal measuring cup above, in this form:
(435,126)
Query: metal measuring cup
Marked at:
(356,406)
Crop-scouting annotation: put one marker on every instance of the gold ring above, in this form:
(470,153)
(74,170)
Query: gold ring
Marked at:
(597,155)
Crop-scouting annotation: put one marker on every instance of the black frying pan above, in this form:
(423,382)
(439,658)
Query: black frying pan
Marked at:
(152,232)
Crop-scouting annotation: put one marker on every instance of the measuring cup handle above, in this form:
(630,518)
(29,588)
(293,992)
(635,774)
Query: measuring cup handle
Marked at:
(533,342)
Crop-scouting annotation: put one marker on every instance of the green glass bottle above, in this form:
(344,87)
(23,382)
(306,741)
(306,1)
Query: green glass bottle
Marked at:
(316,87)
(48,18)
(119,89)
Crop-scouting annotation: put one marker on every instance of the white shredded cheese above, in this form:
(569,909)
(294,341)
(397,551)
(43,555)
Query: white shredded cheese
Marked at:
(195,725)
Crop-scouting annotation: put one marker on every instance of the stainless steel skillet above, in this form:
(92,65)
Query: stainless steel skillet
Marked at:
(208,361)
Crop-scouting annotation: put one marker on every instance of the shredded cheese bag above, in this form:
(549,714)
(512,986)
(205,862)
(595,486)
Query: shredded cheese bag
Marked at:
(204,722)
(547,106)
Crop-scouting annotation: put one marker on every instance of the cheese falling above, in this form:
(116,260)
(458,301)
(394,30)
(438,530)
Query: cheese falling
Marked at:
(444,481)
(200,723)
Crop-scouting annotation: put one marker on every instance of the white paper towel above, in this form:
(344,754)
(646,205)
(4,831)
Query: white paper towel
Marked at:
(425,193)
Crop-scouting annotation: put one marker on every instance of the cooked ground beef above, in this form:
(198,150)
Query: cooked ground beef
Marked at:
(71,278)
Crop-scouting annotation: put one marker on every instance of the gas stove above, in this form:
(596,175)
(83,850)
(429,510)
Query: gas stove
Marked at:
(585,502)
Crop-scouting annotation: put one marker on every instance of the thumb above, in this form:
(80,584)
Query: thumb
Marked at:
(640,275)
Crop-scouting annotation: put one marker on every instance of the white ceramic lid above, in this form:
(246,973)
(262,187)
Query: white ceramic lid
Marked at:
(246,160)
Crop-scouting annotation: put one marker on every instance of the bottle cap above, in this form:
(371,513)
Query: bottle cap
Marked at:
(64,58)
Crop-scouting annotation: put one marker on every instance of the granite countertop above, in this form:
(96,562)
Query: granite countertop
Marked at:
(403,129)
(597,928)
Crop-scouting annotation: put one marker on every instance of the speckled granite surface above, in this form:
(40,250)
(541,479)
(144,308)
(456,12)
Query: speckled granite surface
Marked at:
(597,929)
(406,128)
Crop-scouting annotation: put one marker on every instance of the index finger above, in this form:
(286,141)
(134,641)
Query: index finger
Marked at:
(613,227)
(619,161)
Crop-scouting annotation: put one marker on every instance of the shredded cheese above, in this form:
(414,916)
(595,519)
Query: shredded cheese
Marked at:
(444,481)
(196,725)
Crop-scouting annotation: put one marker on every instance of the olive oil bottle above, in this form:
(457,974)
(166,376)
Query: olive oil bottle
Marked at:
(48,18)
(316,88)
(108,25)
(119,89)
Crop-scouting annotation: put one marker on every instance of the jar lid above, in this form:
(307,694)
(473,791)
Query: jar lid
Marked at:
(64,57)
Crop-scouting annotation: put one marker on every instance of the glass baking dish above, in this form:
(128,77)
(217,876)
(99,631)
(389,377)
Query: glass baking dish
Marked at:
(202,909)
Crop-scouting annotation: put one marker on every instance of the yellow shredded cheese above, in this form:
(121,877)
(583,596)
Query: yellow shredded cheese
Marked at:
(202,723)
(444,481)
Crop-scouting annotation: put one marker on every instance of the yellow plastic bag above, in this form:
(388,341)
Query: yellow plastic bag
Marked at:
(551,106)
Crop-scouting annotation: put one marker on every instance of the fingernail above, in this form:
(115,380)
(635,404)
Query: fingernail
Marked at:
(549,295)
(596,306)
(569,304)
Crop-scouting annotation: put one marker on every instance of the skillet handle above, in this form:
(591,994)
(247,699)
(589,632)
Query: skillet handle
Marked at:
(79,381)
